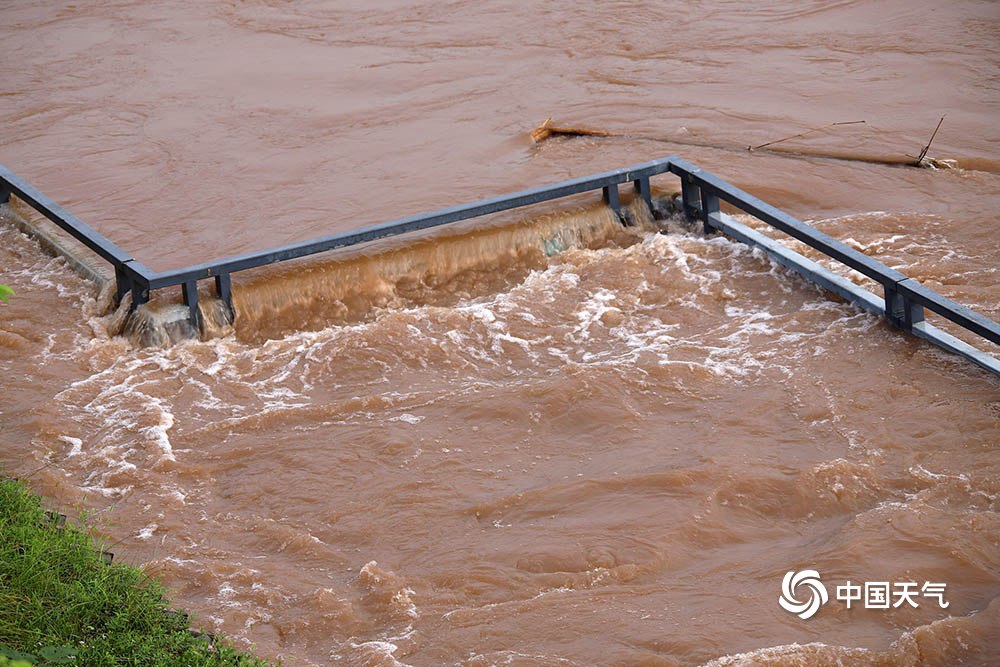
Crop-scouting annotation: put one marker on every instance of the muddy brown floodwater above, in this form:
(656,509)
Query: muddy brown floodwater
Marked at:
(607,448)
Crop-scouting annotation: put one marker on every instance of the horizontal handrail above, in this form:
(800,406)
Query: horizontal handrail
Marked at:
(411,224)
(11,183)
(795,228)
(903,305)
(961,315)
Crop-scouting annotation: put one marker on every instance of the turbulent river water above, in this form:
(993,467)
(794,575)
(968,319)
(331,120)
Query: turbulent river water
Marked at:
(473,450)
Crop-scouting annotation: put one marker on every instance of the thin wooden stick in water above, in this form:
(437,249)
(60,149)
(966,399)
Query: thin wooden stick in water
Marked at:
(810,131)
(923,153)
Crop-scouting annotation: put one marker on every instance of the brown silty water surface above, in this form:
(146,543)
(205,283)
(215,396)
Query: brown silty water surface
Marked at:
(549,440)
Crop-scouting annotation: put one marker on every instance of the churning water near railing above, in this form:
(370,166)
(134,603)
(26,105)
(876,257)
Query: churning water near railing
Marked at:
(657,332)
(438,270)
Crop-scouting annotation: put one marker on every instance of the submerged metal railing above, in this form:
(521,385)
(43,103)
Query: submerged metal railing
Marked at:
(903,301)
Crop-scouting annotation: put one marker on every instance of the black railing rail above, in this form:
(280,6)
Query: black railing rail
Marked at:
(904,297)
(127,269)
(903,300)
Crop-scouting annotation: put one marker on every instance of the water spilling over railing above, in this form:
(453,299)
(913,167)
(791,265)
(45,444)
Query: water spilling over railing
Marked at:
(902,302)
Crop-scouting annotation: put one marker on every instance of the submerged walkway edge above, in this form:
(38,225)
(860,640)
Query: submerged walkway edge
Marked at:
(903,301)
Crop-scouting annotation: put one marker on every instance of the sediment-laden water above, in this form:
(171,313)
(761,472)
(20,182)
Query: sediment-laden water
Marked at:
(537,440)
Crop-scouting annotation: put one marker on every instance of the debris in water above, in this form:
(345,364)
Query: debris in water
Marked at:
(549,129)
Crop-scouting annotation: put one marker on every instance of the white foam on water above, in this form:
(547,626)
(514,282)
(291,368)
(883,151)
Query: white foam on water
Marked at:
(227,596)
(467,612)
(183,561)
(961,480)
(159,433)
(147,532)
(376,649)
(75,443)
(512,657)
(595,307)
(800,653)
(497,328)
(408,418)
(100,489)
(403,600)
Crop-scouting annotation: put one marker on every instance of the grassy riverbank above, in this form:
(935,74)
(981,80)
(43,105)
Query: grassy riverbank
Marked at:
(60,602)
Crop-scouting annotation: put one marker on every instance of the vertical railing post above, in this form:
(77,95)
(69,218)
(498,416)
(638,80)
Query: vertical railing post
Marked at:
(123,284)
(189,290)
(5,193)
(690,197)
(900,311)
(642,189)
(611,198)
(709,208)
(140,294)
(224,290)
(134,279)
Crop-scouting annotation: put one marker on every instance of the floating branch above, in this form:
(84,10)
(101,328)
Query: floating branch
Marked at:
(547,129)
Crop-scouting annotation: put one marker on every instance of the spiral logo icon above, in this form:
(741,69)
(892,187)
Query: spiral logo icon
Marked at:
(817,593)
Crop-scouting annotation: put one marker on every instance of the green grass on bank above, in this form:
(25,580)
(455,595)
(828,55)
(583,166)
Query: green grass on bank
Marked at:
(61,604)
